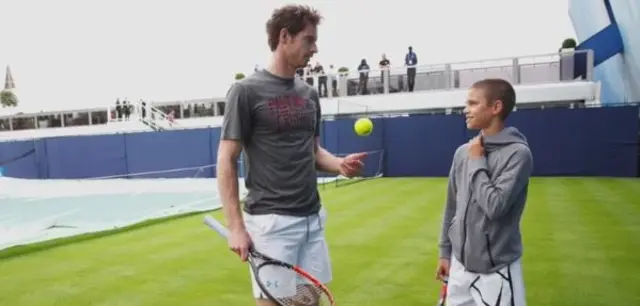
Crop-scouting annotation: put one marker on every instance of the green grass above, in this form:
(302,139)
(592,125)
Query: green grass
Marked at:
(582,240)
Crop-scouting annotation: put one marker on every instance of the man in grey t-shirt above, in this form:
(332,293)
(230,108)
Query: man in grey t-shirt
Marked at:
(274,118)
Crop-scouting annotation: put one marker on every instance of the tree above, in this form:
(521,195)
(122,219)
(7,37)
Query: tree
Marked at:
(239,76)
(8,99)
(569,43)
(344,71)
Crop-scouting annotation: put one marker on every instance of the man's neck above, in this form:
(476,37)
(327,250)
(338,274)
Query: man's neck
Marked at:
(494,129)
(281,68)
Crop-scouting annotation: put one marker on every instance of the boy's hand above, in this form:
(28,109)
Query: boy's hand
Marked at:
(476,150)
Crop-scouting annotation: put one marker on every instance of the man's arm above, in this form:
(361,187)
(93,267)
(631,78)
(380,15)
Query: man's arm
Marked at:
(449,213)
(325,161)
(235,130)
(227,177)
(496,196)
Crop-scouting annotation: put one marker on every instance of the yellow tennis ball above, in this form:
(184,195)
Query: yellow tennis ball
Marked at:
(363,126)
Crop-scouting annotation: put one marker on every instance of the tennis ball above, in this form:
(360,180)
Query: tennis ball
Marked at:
(363,126)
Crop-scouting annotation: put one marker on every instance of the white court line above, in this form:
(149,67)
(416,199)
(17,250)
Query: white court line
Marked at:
(151,172)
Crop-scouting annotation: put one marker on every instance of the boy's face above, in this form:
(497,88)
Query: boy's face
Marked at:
(479,112)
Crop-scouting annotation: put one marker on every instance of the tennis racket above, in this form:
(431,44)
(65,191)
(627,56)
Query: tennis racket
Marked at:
(443,294)
(294,286)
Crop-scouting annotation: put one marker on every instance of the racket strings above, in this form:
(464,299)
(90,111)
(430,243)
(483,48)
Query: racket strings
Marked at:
(292,289)
(306,295)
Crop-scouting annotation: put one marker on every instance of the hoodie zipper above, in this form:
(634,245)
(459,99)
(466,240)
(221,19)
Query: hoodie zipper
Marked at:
(486,235)
(464,230)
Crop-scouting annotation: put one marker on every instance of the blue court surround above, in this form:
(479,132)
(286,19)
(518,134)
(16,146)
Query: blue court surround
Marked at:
(566,142)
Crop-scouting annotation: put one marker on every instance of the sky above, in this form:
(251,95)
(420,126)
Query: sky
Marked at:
(78,53)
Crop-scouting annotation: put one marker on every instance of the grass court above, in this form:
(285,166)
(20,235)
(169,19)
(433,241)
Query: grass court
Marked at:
(581,235)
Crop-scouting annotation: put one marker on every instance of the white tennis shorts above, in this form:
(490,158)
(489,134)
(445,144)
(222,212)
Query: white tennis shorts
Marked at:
(296,240)
(502,288)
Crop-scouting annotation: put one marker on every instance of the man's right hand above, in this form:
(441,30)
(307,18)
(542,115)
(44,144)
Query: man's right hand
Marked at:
(442,272)
(240,242)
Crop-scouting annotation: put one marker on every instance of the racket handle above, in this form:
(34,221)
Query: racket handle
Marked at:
(443,292)
(216,226)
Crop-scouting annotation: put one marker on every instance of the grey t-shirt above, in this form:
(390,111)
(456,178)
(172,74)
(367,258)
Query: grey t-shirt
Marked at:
(277,121)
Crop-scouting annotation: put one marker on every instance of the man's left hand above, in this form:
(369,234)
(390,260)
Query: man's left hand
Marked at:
(352,164)
(476,150)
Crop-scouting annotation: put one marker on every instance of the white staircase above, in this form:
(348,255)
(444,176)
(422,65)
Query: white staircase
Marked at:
(154,117)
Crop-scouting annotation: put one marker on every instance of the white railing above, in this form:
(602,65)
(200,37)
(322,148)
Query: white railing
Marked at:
(379,105)
(521,70)
(113,127)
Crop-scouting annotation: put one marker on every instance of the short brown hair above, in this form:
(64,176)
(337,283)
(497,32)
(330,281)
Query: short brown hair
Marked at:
(498,89)
(293,18)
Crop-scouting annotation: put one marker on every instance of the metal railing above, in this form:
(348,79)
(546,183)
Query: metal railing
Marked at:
(547,68)
(566,66)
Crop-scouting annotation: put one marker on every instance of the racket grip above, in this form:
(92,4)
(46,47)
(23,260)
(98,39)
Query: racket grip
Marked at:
(216,226)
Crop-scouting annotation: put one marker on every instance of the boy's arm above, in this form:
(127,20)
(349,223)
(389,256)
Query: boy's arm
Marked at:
(449,213)
(496,196)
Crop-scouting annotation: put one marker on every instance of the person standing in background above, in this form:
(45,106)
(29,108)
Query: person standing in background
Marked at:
(411,60)
(384,65)
(322,79)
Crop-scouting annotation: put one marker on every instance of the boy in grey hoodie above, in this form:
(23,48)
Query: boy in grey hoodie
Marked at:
(480,244)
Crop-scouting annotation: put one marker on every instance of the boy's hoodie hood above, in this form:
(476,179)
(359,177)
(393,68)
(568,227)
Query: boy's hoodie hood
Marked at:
(507,136)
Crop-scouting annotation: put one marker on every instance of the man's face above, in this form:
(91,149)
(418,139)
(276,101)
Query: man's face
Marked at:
(300,49)
(479,112)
